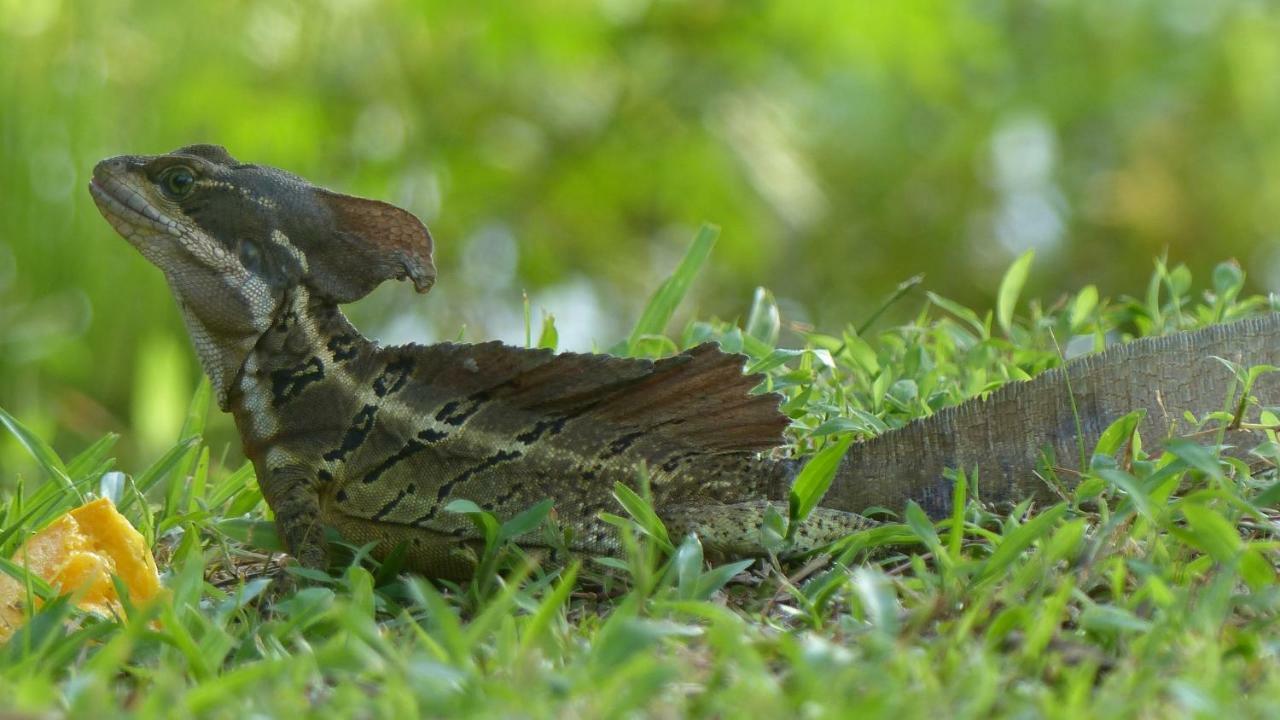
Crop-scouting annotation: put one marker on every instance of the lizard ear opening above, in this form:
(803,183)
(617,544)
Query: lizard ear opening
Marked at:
(372,242)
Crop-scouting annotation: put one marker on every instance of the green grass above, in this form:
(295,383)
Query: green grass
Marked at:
(1150,592)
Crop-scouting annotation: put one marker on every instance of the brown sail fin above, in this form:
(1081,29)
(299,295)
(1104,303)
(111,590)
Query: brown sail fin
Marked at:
(700,397)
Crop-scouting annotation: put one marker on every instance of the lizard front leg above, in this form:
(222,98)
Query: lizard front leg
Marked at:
(292,493)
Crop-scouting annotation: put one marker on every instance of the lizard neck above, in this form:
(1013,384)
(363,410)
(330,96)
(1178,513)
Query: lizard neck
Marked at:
(290,377)
(222,340)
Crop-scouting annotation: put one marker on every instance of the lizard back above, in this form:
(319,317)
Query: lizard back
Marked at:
(394,434)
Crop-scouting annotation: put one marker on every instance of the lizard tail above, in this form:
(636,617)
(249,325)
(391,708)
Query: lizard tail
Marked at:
(1025,435)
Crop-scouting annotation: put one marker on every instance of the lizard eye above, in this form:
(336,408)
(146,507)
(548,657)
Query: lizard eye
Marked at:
(177,181)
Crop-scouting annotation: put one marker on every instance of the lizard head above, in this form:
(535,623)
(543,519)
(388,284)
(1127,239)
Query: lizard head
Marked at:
(234,239)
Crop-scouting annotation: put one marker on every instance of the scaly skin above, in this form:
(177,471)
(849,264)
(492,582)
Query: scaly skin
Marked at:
(376,442)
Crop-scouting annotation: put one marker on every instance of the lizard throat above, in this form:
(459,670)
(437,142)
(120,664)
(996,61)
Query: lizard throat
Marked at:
(300,351)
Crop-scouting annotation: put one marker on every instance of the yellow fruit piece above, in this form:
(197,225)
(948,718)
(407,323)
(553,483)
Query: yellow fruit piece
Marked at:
(79,552)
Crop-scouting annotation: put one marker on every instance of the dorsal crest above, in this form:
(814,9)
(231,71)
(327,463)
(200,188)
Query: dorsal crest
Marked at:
(367,243)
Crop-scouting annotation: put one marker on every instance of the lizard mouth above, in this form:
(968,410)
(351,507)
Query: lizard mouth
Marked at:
(126,208)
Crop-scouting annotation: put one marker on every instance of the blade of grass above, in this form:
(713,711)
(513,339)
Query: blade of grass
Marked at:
(41,453)
(814,480)
(663,304)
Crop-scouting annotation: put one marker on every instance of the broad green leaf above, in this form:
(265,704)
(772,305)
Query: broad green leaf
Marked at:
(1010,288)
(1269,497)
(687,564)
(642,514)
(717,577)
(550,337)
(484,520)
(1083,306)
(1212,532)
(773,530)
(1018,540)
(922,526)
(813,481)
(1256,570)
(1131,487)
(861,353)
(1065,543)
(1228,278)
(526,521)
(1118,433)
(857,422)
(775,359)
(1196,455)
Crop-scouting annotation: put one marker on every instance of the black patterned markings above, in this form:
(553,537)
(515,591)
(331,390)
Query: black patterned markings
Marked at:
(446,490)
(620,445)
(542,427)
(411,448)
(393,376)
(359,429)
(344,346)
(673,463)
(506,497)
(288,383)
(386,510)
(456,412)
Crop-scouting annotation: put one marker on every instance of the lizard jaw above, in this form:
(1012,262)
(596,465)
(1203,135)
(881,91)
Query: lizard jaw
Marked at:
(161,236)
(126,209)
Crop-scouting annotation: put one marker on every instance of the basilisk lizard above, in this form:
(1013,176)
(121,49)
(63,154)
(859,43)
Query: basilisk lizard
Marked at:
(377,441)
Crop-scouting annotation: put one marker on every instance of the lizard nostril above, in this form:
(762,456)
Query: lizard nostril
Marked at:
(111,166)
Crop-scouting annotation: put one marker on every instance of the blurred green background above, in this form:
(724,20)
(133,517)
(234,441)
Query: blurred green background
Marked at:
(570,149)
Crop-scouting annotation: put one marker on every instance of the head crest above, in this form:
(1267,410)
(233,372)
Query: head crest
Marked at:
(371,242)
